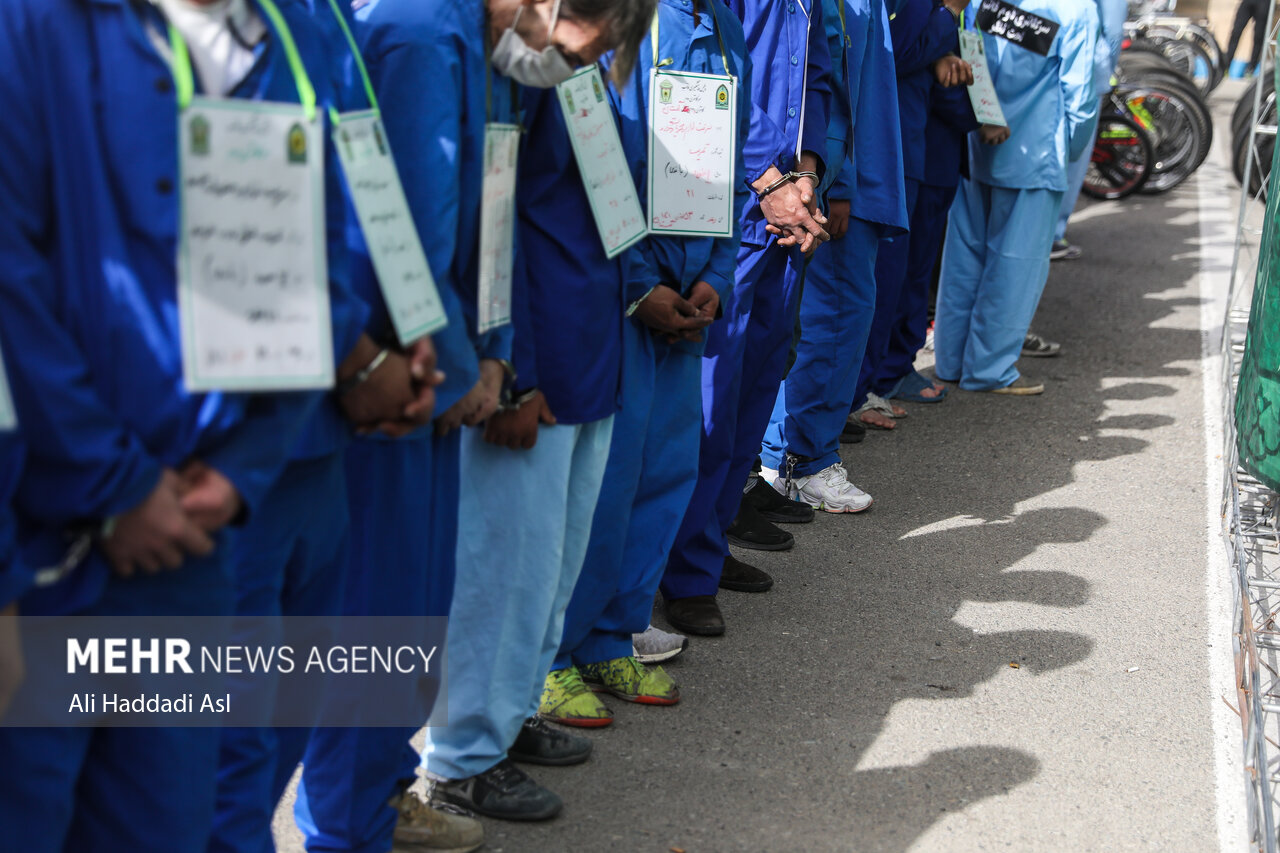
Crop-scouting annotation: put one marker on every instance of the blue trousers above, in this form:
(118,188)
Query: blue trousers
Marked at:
(891,272)
(1076,170)
(288,561)
(928,228)
(745,359)
(652,469)
(994,267)
(120,790)
(403,502)
(836,308)
(525,522)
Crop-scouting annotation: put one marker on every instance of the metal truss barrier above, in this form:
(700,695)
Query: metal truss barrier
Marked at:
(1250,514)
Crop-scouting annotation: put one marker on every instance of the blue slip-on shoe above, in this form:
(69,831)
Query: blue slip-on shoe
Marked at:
(909,387)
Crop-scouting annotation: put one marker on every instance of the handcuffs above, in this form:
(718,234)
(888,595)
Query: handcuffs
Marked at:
(362,375)
(508,399)
(788,178)
(80,542)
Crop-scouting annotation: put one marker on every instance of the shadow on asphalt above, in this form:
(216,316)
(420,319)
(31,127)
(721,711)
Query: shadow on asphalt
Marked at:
(764,752)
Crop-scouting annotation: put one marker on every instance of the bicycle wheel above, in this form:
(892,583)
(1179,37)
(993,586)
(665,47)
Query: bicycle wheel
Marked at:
(1191,48)
(1122,159)
(1180,133)
(1242,115)
(1201,36)
(1135,65)
(1264,149)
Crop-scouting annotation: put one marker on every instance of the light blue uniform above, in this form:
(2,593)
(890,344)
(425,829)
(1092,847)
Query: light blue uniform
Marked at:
(746,352)
(426,59)
(923,32)
(653,463)
(1112,15)
(996,259)
(839,296)
(88,297)
(517,566)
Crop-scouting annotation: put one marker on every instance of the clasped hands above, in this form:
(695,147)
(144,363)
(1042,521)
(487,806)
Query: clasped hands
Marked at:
(674,318)
(176,521)
(663,310)
(398,396)
(791,210)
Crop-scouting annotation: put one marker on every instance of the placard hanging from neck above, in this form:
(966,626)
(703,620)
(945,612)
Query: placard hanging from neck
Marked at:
(1025,29)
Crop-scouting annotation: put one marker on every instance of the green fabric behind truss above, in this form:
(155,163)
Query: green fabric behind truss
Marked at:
(1258,397)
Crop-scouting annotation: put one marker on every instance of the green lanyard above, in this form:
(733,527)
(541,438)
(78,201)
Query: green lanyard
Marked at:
(844,29)
(355,51)
(184,80)
(715,25)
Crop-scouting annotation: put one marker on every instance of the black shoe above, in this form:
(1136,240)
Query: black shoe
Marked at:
(699,615)
(504,791)
(539,742)
(774,507)
(852,433)
(742,577)
(750,530)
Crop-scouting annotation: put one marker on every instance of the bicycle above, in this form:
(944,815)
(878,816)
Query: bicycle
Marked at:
(1122,159)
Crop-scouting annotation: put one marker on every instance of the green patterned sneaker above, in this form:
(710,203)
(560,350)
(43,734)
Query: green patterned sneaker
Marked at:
(567,701)
(631,681)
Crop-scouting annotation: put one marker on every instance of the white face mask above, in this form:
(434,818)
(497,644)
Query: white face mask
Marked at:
(541,69)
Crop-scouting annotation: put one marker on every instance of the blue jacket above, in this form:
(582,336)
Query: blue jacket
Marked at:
(946,134)
(923,32)
(864,78)
(350,95)
(329,430)
(1048,101)
(344,74)
(13,578)
(567,309)
(1111,15)
(427,62)
(88,277)
(681,262)
(790,91)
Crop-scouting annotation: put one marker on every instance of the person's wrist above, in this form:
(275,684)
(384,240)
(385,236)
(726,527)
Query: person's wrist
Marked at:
(782,181)
(363,374)
(361,354)
(519,399)
(635,306)
(769,177)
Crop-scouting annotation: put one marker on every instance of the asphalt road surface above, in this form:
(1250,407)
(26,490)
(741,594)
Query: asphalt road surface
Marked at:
(1020,647)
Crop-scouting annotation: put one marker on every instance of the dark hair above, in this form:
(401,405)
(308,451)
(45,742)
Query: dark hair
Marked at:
(627,22)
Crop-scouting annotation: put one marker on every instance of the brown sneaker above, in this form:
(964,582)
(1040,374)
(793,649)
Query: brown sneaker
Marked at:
(1021,387)
(423,829)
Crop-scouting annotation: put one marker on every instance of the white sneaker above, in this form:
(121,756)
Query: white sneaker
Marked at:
(656,645)
(828,490)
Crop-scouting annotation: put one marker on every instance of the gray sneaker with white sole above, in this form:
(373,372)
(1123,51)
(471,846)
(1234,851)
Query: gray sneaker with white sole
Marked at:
(656,645)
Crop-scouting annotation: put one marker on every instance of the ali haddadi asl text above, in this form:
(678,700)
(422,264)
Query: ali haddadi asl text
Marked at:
(114,703)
